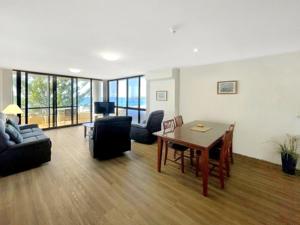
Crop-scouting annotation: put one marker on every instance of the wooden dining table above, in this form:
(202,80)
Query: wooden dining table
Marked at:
(197,140)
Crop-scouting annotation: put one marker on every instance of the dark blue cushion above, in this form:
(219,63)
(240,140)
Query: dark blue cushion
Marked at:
(14,124)
(13,133)
(4,137)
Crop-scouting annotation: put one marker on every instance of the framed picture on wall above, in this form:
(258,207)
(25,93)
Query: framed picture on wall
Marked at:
(162,96)
(227,87)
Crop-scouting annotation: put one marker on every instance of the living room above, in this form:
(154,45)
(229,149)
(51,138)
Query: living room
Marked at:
(149,112)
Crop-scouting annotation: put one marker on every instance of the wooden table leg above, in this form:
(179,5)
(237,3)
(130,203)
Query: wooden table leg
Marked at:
(159,152)
(204,164)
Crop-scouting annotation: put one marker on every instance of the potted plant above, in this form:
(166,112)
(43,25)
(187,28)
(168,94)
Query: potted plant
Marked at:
(289,155)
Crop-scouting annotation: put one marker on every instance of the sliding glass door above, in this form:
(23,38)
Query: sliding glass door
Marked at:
(84,100)
(39,100)
(55,101)
(64,101)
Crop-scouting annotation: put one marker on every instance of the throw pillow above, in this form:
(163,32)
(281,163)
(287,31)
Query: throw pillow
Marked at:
(14,124)
(4,137)
(14,134)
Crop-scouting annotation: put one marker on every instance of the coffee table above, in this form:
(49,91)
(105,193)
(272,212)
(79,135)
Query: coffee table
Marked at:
(86,126)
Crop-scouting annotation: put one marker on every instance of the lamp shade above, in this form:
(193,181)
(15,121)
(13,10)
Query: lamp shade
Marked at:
(12,109)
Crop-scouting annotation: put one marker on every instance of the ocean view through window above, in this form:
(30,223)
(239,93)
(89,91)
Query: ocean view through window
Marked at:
(129,96)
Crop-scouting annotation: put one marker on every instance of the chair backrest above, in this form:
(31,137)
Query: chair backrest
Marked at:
(169,126)
(112,134)
(231,130)
(225,146)
(178,121)
(154,121)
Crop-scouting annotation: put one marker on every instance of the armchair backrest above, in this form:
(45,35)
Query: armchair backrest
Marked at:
(112,135)
(154,121)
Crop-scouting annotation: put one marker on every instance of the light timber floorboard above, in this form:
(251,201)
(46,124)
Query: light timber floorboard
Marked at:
(76,189)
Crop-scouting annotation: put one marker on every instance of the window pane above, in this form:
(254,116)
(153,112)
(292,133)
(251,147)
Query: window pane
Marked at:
(122,93)
(38,91)
(14,89)
(113,91)
(143,116)
(134,114)
(64,116)
(23,91)
(64,92)
(133,92)
(121,112)
(143,93)
(39,116)
(97,94)
(84,100)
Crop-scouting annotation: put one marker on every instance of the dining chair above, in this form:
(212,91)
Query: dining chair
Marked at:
(219,158)
(231,128)
(178,123)
(169,126)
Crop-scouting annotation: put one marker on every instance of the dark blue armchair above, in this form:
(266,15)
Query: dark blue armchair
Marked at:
(143,133)
(111,137)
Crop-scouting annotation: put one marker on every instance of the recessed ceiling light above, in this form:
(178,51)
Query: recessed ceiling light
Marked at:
(195,50)
(74,70)
(110,56)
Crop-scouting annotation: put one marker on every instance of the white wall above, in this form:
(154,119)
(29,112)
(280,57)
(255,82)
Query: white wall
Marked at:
(265,109)
(5,88)
(163,80)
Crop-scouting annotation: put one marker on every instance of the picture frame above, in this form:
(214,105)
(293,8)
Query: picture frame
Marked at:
(161,95)
(227,87)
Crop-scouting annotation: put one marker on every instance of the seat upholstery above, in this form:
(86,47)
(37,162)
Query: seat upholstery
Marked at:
(144,133)
(111,137)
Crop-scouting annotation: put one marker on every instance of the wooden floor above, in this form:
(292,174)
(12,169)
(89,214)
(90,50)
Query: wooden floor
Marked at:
(77,189)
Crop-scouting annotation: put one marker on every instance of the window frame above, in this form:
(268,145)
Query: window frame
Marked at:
(138,109)
(54,107)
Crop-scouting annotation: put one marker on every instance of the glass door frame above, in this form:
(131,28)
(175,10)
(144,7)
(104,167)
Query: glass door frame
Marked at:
(74,105)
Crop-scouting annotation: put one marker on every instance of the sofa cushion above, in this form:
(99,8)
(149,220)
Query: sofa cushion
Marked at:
(35,138)
(13,123)
(13,133)
(26,131)
(4,137)
(32,134)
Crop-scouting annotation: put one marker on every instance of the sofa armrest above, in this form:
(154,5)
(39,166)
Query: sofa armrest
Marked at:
(28,126)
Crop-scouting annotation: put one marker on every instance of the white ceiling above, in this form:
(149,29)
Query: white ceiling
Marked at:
(54,35)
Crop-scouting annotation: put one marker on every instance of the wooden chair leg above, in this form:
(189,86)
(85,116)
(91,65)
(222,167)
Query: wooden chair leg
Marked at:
(192,155)
(182,161)
(166,153)
(221,175)
(175,154)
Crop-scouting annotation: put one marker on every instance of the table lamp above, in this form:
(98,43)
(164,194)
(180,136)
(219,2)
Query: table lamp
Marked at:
(12,110)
